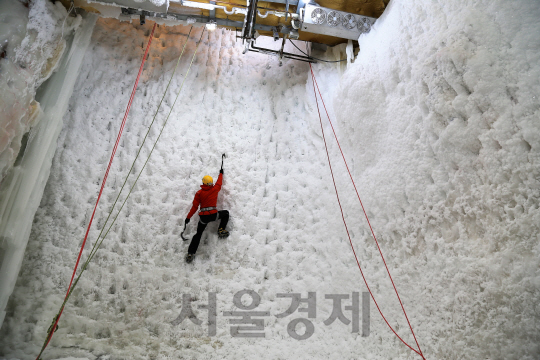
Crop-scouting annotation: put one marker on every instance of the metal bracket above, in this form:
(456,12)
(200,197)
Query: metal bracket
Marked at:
(294,34)
(281,54)
(73,13)
(275,32)
(281,51)
(212,12)
(249,20)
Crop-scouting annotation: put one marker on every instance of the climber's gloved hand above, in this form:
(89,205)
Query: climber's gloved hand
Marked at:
(187,221)
(221,171)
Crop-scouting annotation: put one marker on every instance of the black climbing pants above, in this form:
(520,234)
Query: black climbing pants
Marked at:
(203,221)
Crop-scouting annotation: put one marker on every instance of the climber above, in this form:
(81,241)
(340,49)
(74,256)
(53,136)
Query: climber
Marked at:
(207,199)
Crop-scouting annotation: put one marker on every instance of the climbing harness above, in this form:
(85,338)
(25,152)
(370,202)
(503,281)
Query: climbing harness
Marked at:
(419,351)
(98,243)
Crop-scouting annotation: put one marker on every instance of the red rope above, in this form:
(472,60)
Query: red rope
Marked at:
(419,351)
(103,183)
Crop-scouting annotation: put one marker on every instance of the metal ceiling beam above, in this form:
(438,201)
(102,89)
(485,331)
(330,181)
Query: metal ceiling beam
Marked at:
(291,2)
(199,19)
(281,54)
(308,21)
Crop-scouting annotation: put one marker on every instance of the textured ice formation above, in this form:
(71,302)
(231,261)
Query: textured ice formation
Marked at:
(438,117)
(31,45)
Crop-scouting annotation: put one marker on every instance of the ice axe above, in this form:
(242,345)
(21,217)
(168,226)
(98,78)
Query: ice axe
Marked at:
(223,156)
(182,233)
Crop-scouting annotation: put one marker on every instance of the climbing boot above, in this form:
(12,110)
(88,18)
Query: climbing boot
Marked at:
(222,233)
(190,257)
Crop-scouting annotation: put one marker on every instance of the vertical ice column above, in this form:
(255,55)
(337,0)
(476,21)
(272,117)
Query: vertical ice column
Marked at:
(22,189)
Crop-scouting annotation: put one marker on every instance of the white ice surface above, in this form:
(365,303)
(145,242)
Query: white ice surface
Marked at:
(32,42)
(438,117)
(22,189)
(441,118)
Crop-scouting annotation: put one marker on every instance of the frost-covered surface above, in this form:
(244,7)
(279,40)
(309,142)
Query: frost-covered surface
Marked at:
(442,109)
(22,189)
(31,44)
(282,237)
(448,172)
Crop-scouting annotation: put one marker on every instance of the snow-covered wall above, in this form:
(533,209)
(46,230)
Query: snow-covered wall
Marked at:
(31,45)
(32,42)
(22,188)
(243,104)
(441,117)
(438,117)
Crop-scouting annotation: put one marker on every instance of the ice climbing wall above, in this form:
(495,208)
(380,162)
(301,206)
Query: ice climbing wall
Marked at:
(285,237)
(438,117)
(442,111)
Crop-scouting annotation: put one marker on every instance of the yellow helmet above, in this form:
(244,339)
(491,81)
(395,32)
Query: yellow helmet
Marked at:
(207,180)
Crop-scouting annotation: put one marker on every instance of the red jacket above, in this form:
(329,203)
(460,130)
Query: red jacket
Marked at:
(206,197)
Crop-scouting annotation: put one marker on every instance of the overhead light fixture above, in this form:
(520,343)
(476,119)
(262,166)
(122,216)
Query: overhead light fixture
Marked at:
(199,5)
(211,26)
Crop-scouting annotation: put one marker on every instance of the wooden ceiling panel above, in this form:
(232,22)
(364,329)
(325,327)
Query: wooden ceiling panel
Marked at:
(371,8)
